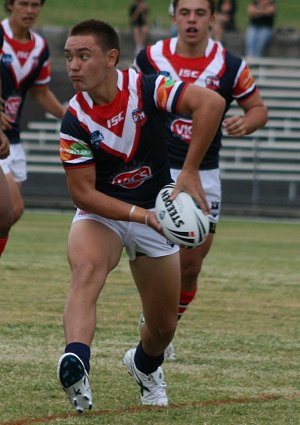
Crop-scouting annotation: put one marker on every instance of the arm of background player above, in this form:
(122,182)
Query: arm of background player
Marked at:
(47,100)
(255,116)
(207,108)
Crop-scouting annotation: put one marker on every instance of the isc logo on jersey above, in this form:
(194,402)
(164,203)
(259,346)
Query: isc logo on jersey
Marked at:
(134,178)
(112,122)
(183,128)
(189,73)
(22,55)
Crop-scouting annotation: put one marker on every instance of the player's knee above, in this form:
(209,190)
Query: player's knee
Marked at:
(18,211)
(87,276)
(83,273)
(191,271)
(165,332)
(6,221)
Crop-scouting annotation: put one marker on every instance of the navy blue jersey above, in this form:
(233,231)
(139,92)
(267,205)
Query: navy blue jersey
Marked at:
(218,70)
(22,66)
(125,139)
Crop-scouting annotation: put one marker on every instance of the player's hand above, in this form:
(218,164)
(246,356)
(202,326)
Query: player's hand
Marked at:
(189,181)
(152,222)
(6,121)
(235,126)
(2,105)
(4,145)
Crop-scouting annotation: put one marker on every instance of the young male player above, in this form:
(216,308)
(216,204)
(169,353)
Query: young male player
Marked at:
(5,205)
(25,67)
(114,153)
(194,57)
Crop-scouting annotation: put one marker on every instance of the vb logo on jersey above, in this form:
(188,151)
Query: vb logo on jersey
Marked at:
(96,139)
(183,128)
(134,178)
(212,82)
(139,117)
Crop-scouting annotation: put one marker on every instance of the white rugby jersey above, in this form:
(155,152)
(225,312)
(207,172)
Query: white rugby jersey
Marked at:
(22,66)
(217,70)
(125,139)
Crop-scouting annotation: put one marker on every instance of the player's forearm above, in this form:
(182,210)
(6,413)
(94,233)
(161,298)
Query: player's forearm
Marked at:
(91,200)
(206,121)
(255,118)
(48,101)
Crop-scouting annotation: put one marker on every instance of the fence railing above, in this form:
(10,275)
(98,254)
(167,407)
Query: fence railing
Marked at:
(270,154)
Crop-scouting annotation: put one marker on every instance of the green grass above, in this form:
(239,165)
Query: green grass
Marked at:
(237,346)
(69,12)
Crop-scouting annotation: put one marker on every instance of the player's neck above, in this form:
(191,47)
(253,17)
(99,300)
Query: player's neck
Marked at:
(20,33)
(191,50)
(107,91)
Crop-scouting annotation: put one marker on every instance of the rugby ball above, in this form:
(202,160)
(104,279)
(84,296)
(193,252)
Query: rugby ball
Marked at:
(182,219)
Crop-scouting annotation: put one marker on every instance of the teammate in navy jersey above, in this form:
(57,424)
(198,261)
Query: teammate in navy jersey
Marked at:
(25,66)
(5,205)
(114,153)
(195,57)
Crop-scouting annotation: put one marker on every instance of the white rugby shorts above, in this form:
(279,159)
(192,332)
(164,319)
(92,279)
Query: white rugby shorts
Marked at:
(15,163)
(211,183)
(136,238)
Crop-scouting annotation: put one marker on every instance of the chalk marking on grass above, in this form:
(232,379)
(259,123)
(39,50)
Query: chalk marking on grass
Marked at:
(136,409)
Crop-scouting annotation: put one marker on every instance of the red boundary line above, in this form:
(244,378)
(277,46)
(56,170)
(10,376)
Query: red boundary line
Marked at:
(136,409)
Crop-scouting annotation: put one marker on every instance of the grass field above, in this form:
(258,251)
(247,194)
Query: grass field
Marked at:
(68,12)
(237,347)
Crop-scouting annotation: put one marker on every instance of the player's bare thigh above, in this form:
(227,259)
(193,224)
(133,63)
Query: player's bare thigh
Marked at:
(93,250)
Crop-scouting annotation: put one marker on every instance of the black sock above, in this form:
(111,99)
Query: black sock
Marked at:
(144,363)
(83,351)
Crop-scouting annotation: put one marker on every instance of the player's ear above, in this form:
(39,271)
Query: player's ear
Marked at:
(112,57)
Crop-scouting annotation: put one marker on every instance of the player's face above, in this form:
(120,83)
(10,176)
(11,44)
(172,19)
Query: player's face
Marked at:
(193,19)
(87,65)
(24,13)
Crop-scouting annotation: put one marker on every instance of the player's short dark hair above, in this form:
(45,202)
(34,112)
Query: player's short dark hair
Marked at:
(212,5)
(106,36)
(8,3)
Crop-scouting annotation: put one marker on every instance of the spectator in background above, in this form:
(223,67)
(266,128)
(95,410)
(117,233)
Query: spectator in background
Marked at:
(261,15)
(25,67)
(224,18)
(138,15)
(173,28)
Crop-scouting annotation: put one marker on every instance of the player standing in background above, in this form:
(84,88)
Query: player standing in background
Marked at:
(5,205)
(114,153)
(25,66)
(139,17)
(194,57)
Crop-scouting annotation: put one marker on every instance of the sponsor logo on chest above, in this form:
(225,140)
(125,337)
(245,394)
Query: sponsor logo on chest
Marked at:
(134,178)
(183,128)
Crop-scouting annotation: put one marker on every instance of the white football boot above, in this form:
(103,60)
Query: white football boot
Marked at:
(169,353)
(74,380)
(152,386)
